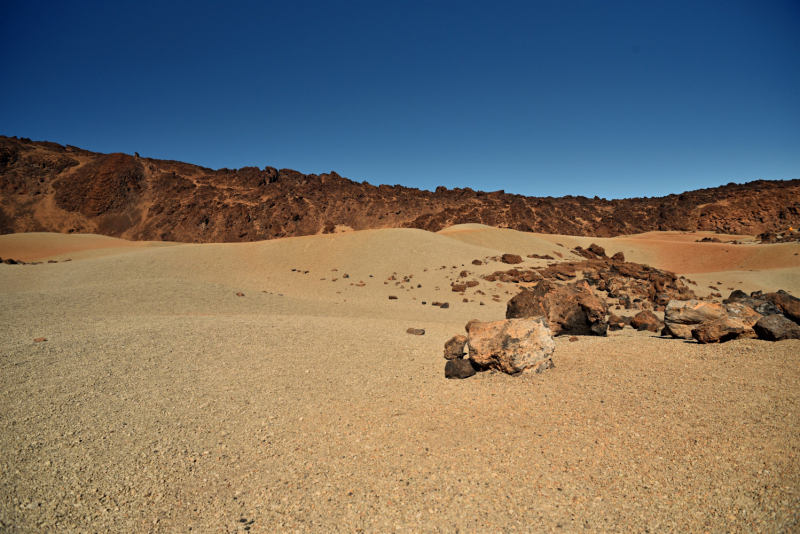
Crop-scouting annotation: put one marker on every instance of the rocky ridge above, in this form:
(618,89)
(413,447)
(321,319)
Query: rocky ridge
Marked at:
(49,187)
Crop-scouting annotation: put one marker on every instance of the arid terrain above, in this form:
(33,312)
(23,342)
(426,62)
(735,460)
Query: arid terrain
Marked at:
(47,187)
(270,386)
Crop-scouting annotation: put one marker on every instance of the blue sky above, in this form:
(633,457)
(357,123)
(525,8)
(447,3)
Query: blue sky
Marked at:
(615,99)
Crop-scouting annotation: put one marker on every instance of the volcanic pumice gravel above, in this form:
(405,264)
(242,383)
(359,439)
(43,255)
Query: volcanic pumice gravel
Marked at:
(164,405)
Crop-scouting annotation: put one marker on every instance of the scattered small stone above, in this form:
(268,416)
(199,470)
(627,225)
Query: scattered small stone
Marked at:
(416,331)
(39,339)
(392,297)
(239,294)
(573,338)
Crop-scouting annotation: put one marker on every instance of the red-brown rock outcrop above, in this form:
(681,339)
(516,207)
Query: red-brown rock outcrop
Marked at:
(49,187)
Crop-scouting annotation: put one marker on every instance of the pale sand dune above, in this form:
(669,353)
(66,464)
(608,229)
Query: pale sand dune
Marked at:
(673,251)
(162,401)
(38,246)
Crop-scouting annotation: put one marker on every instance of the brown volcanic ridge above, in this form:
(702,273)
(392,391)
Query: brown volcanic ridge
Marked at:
(46,187)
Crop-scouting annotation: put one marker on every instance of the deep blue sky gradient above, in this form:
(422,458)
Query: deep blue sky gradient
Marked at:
(615,99)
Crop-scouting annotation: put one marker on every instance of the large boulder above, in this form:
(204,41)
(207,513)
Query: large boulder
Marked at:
(511,346)
(681,317)
(571,309)
(776,328)
(789,305)
(720,330)
(760,306)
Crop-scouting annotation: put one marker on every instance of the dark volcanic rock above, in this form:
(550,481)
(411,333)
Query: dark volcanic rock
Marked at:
(776,328)
(597,249)
(763,307)
(511,258)
(570,309)
(789,305)
(462,368)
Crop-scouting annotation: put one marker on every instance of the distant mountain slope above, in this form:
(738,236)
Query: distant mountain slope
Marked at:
(48,187)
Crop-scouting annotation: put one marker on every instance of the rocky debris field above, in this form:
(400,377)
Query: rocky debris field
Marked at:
(789,236)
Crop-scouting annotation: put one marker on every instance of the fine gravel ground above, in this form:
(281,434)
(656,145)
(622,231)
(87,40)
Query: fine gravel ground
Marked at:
(163,402)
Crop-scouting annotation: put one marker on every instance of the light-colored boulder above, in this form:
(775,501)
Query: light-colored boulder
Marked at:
(681,317)
(511,346)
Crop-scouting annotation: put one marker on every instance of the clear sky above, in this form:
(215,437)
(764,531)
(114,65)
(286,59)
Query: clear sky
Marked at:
(615,99)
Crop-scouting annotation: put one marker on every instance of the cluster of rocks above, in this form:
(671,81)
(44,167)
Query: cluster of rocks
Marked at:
(512,346)
(524,341)
(643,321)
(771,316)
(789,236)
(9,261)
(459,287)
(634,285)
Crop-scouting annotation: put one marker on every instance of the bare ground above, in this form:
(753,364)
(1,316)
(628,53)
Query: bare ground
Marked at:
(162,402)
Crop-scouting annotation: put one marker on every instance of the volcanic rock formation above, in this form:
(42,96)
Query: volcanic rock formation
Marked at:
(49,187)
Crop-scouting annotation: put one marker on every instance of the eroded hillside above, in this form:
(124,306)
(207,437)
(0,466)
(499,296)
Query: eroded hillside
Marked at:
(48,187)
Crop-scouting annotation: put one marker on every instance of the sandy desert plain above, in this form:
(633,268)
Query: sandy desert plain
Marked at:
(163,402)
